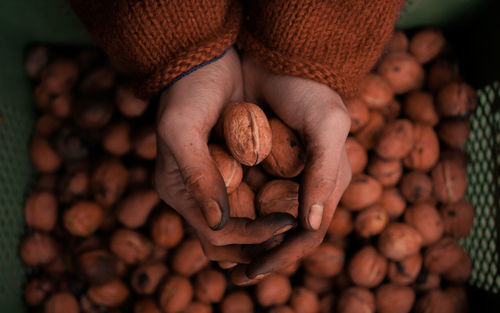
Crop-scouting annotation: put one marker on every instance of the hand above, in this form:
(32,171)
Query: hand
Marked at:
(319,116)
(187,178)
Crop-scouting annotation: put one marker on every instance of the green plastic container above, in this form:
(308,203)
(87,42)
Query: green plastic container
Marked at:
(471,26)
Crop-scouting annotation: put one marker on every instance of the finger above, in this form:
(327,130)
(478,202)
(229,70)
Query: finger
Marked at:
(200,175)
(229,254)
(325,137)
(238,276)
(297,245)
(227,265)
(250,232)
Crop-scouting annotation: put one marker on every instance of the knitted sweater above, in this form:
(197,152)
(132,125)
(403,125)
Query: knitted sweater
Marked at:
(334,42)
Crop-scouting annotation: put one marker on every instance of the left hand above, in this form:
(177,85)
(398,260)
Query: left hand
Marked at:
(319,116)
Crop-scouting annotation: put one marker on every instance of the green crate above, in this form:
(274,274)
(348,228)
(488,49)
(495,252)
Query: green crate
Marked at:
(27,21)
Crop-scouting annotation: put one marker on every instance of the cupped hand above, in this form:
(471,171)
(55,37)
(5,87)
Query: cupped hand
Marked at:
(319,116)
(186,176)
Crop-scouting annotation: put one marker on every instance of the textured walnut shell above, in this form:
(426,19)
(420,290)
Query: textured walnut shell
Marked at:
(36,59)
(189,258)
(255,177)
(362,192)
(97,266)
(43,156)
(326,260)
(405,271)
(396,140)
(458,295)
(59,76)
(416,187)
(175,294)
(425,152)
(427,281)
(342,223)
(92,112)
(242,202)
(83,218)
(281,309)
(426,219)
(419,108)
(111,294)
(247,133)
(38,249)
(146,305)
(327,303)
(73,184)
(375,91)
(398,42)
(109,181)
(399,241)
(71,144)
(61,105)
(427,44)
(393,202)
(359,113)
(166,229)
(198,307)
(356,299)
(402,71)
(458,218)
(133,210)
(368,135)
(392,298)
(146,278)
(319,285)
(391,111)
(435,301)
(387,172)
(144,143)
(138,175)
(454,133)
(41,97)
(40,211)
(460,272)
(442,255)
(47,124)
(210,285)
(273,290)
(371,221)
(367,268)
(229,168)
(61,302)
(116,138)
(128,104)
(456,99)
(286,158)
(356,154)
(36,290)
(237,301)
(303,300)
(278,196)
(99,80)
(450,180)
(441,73)
(130,246)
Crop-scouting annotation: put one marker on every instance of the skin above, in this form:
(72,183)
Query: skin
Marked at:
(187,179)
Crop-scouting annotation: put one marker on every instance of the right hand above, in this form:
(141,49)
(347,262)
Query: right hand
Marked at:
(186,176)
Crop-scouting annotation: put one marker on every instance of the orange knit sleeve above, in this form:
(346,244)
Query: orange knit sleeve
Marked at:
(155,41)
(333,42)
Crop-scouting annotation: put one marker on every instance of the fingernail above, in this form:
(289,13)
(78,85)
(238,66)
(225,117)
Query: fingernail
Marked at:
(260,276)
(282,230)
(315,216)
(213,214)
(226,265)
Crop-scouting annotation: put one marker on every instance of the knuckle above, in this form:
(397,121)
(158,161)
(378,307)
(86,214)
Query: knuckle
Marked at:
(216,239)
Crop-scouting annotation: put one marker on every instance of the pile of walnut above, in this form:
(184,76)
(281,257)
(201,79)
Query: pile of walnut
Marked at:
(100,239)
